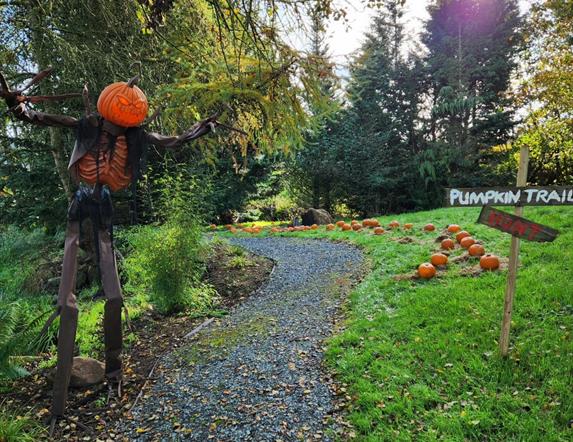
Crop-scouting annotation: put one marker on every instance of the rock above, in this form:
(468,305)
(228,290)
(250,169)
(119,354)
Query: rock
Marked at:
(85,372)
(316,216)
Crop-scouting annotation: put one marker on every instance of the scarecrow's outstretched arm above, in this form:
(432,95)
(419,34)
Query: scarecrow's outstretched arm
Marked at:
(197,130)
(17,105)
(42,119)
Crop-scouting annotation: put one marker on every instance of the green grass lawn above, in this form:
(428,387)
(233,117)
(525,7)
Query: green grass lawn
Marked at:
(420,358)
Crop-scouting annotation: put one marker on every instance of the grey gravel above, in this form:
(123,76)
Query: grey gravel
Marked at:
(258,373)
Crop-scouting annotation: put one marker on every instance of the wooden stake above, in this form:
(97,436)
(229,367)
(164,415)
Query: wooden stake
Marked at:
(513,260)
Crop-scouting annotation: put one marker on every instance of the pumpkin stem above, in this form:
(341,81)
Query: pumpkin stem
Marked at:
(133,81)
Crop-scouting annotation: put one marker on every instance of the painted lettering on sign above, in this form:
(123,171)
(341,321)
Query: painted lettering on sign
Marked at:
(510,196)
(516,225)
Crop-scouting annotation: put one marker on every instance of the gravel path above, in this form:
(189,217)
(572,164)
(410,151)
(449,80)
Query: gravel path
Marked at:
(257,374)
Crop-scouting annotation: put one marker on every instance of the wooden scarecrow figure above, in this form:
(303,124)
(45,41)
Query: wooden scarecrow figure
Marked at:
(106,158)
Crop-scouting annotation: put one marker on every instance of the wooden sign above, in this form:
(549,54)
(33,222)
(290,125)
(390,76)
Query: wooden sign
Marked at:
(510,196)
(516,225)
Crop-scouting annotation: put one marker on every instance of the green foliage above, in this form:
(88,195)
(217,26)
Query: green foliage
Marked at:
(18,428)
(10,334)
(165,263)
(546,95)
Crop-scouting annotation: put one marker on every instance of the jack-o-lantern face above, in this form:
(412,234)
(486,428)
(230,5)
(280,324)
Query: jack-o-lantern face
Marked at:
(123,104)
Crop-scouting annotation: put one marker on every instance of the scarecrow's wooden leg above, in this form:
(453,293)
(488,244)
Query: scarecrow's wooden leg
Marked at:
(112,315)
(68,319)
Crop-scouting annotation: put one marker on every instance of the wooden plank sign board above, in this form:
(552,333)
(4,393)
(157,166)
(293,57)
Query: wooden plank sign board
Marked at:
(510,196)
(516,225)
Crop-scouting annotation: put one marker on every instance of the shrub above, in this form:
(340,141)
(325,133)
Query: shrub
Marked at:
(166,262)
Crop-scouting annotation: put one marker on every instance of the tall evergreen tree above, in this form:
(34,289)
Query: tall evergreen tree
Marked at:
(472,46)
(384,94)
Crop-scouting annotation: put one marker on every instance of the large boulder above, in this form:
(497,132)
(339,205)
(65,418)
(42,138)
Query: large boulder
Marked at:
(316,216)
(85,372)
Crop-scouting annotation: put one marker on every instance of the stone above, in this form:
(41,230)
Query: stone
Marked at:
(316,216)
(85,372)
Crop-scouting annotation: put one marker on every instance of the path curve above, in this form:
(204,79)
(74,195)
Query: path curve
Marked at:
(258,373)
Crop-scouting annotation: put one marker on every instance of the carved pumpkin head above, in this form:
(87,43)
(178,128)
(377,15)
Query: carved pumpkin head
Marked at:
(123,104)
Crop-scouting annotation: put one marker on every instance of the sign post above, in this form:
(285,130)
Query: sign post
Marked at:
(515,225)
(513,260)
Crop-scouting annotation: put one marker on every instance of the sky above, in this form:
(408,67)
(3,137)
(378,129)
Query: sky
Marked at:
(345,39)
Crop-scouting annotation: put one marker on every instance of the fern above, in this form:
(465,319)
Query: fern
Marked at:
(17,338)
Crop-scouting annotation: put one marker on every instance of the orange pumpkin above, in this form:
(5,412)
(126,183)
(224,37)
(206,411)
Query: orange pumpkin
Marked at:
(429,227)
(439,259)
(378,231)
(454,228)
(461,235)
(394,224)
(248,230)
(212,226)
(489,262)
(476,250)
(374,223)
(314,226)
(448,244)
(354,222)
(467,242)
(356,227)
(233,230)
(330,227)
(408,226)
(426,270)
(340,223)
(366,223)
(123,104)
(346,227)
(228,226)
(290,229)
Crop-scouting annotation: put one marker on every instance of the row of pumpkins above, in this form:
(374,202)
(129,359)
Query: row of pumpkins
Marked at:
(343,225)
(488,261)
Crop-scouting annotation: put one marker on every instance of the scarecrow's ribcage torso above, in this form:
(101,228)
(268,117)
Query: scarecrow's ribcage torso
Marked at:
(109,167)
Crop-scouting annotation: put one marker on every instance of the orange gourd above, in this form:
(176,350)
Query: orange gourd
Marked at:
(448,244)
(476,250)
(378,231)
(454,228)
(346,227)
(330,227)
(489,262)
(340,223)
(408,226)
(394,224)
(314,226)
(123,104)
(429,227)
(356,227)
(439,259)
(426,270)
(461,235)
(467,242)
